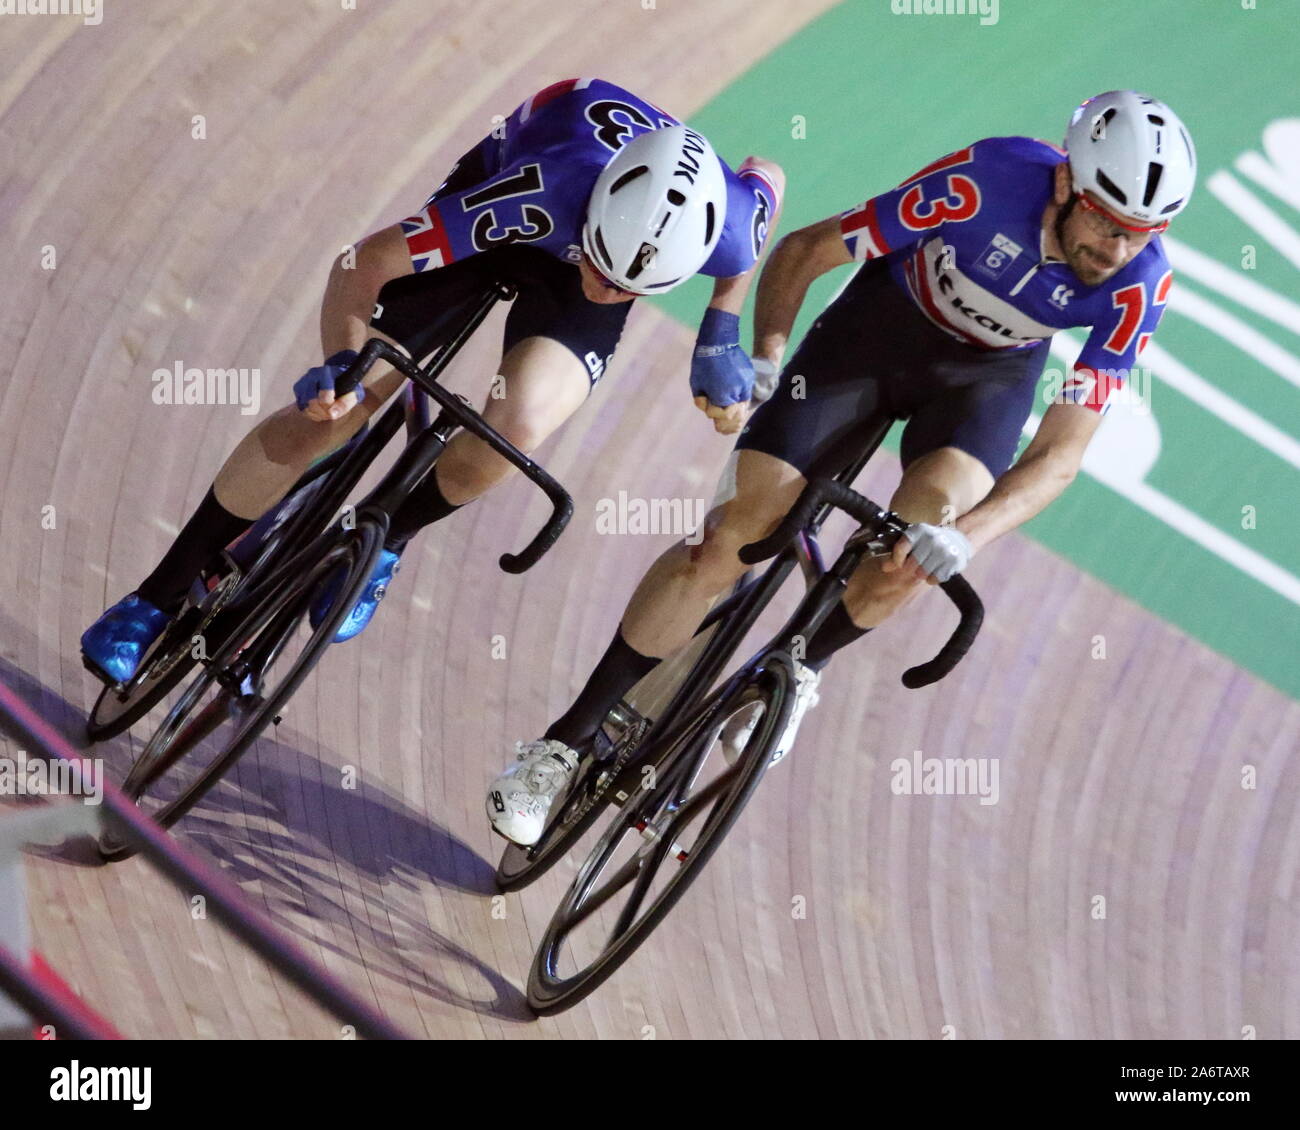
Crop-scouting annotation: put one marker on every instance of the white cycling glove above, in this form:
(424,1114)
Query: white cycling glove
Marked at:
(942,551)
(766,378)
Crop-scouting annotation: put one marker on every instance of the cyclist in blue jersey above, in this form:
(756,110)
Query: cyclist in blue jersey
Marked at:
(585,197)
(969,267)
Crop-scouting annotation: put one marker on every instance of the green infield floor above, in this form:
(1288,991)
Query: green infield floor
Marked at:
(1191,508)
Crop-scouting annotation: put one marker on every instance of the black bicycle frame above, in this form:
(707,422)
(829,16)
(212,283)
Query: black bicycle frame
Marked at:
(426,442)
(878,532)
(741,610)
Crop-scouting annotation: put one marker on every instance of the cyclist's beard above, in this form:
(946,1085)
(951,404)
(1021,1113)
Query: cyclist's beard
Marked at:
(1084,267)
(1063,214)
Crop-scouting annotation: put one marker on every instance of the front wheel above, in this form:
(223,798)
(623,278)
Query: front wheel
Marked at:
(262,659)
(659,841)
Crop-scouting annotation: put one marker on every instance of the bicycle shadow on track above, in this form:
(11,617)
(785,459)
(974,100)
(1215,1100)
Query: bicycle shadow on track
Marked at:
(347,870)
(63,716)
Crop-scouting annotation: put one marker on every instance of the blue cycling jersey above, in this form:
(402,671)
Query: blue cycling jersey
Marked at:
(964,240)
(541,164)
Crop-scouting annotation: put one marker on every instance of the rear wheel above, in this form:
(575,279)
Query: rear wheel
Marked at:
(626,731)
(587,797)
(171,658)
(658,842)
(118,708)
(265,654)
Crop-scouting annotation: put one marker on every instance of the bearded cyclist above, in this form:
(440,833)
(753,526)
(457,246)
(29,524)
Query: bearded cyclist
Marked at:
(585,197)
(969,267)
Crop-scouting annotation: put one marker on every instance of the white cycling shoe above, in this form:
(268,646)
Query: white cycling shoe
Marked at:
(740,727)
(519,800)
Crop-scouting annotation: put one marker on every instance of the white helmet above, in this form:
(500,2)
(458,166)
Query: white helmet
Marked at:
(1134,153)
(657,211)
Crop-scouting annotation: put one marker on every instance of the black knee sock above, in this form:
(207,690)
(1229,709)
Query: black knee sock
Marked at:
(210,529)
(837,630)
(618,671)
(422,507)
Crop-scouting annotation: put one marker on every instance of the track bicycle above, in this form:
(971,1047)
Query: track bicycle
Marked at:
(242,644)
(659,761)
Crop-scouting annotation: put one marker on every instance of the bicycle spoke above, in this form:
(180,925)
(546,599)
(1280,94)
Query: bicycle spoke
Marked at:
(648,867)
(201,726)
(605,892)
(705,796)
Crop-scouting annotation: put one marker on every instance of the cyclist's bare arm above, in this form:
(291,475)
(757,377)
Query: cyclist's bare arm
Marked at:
(354,283)
(795,262)
(1048,466)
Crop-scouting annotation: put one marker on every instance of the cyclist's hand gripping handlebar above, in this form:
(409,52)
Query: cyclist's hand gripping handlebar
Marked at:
(561,504)
(882,529)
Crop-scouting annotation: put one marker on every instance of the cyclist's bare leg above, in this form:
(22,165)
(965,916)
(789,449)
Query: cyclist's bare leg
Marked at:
(271,458)
(938,488)
(681,587)
(544,384)
(541,384)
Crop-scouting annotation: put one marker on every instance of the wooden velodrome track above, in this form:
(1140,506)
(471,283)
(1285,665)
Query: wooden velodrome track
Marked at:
(925,916)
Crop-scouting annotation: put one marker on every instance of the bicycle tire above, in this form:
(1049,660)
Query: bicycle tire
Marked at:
(114,713)
(580,808)
(548,993)
(519,866)
(361,547)
(173,648)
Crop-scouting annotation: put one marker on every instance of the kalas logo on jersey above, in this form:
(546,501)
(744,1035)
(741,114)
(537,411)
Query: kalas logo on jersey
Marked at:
(998,255)
(947,287)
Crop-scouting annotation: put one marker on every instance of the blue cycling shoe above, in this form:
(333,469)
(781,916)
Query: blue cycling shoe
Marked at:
(365,607)
(115,643)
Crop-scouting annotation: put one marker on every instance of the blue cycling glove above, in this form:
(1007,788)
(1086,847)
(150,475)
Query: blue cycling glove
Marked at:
(323,376)
(720,369)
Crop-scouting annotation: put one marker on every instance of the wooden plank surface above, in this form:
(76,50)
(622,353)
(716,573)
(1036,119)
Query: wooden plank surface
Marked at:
(1120,777)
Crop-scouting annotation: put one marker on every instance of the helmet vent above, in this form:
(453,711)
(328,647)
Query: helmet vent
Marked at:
(1172,207)
(644,258)
(627,178)
(1154,173)
(1099,126)
(606,260)
(1111,187)
(708,222)
(675,197)
(1155,119)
